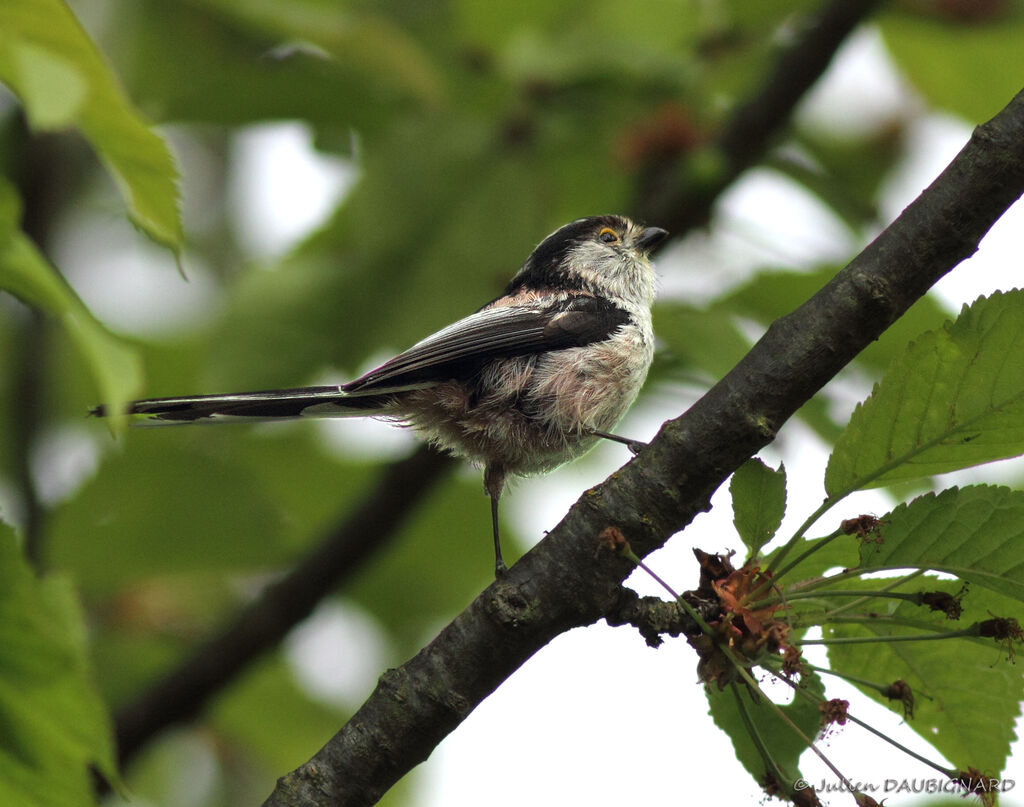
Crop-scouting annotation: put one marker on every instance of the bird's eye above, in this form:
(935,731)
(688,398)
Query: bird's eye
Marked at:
(608,235)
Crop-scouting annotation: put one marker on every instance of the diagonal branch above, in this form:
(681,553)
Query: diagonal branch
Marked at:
(184,691)
(681,202)
(565,581)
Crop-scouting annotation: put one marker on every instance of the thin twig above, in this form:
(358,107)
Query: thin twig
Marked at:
(184,691)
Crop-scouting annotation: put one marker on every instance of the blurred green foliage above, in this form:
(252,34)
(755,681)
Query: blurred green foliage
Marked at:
(476,128)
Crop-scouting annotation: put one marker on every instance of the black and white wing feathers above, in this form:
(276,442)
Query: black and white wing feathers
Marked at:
(496,331)
(456,352)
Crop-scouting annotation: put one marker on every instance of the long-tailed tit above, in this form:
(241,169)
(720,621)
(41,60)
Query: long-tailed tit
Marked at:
(528,382)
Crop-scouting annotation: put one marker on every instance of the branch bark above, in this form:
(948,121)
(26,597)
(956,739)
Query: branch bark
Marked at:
(565,581)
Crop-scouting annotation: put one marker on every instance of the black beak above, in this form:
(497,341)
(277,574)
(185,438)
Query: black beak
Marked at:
(650,238)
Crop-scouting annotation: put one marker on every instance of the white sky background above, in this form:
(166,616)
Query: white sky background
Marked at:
(596,717)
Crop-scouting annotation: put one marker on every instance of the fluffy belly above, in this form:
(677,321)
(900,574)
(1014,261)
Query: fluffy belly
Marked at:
(531,414)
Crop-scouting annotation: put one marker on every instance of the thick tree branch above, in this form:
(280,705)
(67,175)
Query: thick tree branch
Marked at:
(565,581)
(184,691)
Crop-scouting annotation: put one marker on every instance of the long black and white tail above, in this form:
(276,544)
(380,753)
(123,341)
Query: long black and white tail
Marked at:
(279,404)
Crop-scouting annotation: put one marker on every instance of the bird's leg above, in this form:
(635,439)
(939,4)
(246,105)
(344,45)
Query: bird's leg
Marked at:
(494,481)
(499,565)
(636,446)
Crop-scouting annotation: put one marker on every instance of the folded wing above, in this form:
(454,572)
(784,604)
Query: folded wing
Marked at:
(454,352)
(493,332)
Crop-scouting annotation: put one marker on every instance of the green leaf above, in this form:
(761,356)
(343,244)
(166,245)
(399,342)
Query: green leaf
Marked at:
(53,725)
(266,712)
(953,399)
(953,681)
(687,332)
(784,744)
(166,506)
(971,67)
(339,68)
(25,273)
(758,502)
(439,562)
(745,41)
(846,174)
(53,67)
(770,295)
(818,555)
(368,41)
(975,533)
